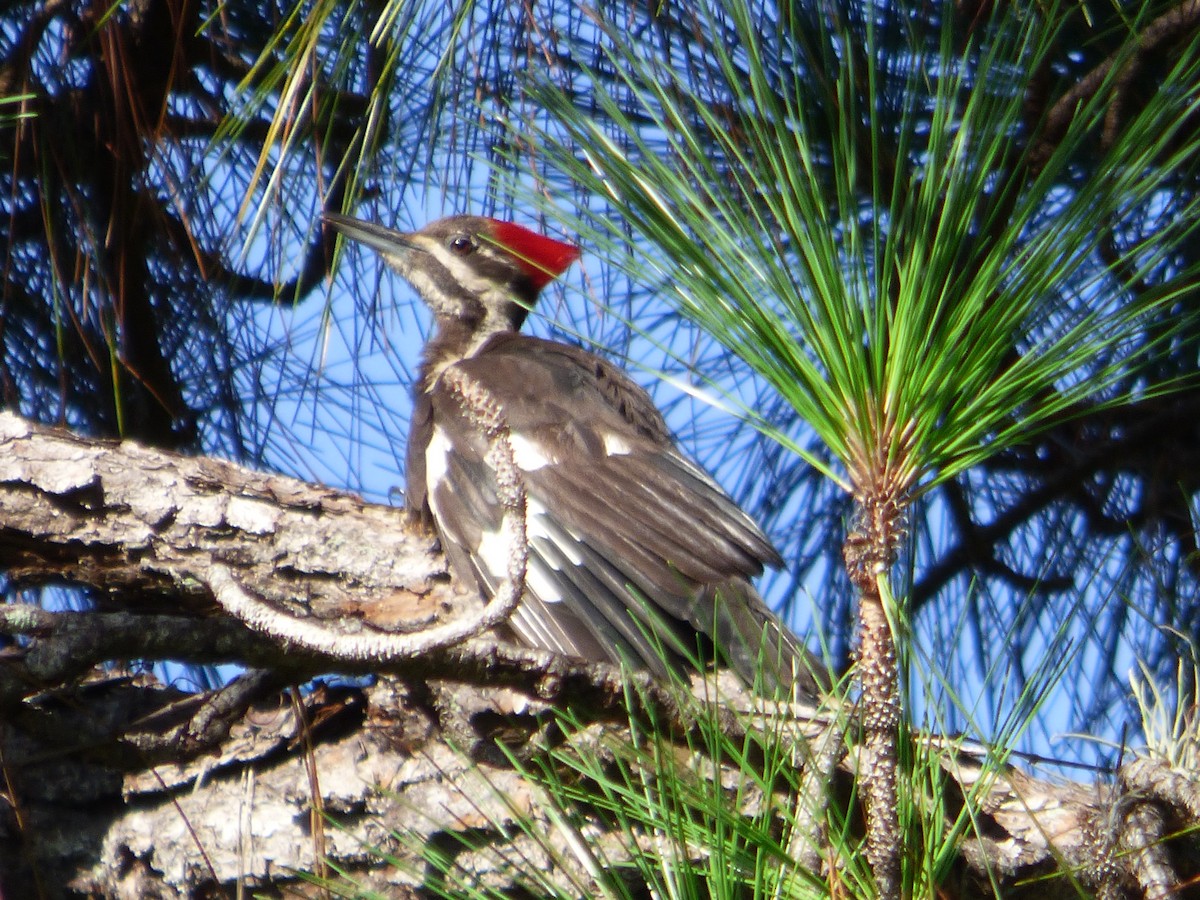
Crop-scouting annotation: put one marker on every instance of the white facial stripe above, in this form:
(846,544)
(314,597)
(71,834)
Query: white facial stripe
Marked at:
(422,283)
(463,273)
(427,287)
(493,323)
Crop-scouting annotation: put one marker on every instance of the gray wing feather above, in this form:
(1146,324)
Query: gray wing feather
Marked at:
(631,544)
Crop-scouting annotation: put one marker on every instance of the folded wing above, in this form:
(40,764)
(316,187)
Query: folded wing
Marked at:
(633,549)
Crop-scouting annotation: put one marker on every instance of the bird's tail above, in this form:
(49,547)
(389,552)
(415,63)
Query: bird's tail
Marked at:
(757,645)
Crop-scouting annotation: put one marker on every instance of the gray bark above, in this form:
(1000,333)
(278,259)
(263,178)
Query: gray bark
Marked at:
(115,785)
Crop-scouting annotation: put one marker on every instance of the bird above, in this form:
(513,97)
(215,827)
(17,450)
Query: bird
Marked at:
(635,554)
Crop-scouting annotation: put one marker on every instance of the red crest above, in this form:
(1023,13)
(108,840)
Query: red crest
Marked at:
(543,258)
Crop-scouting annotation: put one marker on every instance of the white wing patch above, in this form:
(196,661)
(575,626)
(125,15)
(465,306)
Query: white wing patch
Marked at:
(493,551)
(534,629)
(536,529)
(615,445)
(528,455)
(437,464)
(540,583)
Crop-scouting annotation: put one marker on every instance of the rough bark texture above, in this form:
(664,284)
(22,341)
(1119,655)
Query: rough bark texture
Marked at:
(117,786)
(870,553)
(880,720)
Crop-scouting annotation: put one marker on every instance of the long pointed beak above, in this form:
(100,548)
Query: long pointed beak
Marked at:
(385,240)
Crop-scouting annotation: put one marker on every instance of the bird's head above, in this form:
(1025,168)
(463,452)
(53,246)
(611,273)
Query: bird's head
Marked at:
(471,271)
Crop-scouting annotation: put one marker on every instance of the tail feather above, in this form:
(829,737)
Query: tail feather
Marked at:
(756,644)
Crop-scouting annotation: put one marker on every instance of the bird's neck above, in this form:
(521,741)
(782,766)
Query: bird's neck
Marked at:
(454,340)
(464,320)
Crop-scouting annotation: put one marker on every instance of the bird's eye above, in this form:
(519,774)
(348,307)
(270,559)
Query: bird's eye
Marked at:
(461,245)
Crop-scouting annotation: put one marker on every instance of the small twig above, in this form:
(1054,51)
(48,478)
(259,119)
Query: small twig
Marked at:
(818,762)
(316,811)
(1174,24)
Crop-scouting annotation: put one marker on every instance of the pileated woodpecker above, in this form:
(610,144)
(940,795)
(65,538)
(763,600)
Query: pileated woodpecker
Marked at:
(633,550)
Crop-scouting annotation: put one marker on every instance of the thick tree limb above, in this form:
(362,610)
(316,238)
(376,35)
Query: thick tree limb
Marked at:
(146,529)
(118,786)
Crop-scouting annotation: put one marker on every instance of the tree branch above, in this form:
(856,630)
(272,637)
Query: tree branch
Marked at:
(115,785)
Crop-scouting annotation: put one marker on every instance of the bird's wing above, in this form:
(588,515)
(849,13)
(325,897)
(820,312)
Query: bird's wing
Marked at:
(618,520)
